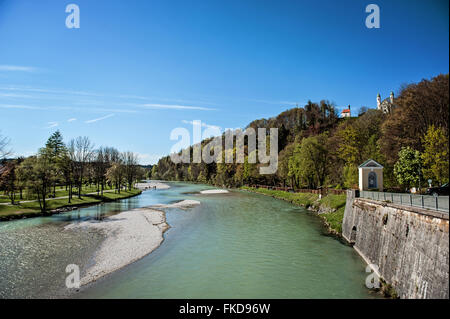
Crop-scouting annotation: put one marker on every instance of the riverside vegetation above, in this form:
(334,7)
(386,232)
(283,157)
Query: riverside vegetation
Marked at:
(61,177)
(319,149)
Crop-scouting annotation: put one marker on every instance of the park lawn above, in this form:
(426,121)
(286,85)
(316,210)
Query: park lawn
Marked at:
(123,194)
(4,199)
(32,208)
(60,192)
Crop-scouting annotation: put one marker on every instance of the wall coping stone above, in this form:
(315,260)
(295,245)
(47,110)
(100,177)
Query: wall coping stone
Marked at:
(417,210)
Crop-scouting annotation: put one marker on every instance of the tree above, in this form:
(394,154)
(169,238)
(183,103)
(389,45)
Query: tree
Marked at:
(294,166)
(4,151)
(357,140)
(283,162)
(436,155)
(115,174)
(40,172)
(350,176)
(311,161)
(154,174)
(130,165)
(349,148)
(81,150)
(8,179)
(407,168)
(56,151)
(101,164)
(362,110)
(201,178)
(250,173)
(420,106)
(21,177)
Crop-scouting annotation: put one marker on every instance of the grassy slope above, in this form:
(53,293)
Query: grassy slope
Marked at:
(30,209)
(336,204)
(333,203)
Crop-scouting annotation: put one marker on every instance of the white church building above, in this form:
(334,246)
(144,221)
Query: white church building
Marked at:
(388,105)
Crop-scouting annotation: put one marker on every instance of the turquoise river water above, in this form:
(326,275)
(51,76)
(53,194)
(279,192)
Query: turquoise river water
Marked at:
(236,245)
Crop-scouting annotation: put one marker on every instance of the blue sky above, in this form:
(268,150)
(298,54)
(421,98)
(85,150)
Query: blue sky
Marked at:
(135,70)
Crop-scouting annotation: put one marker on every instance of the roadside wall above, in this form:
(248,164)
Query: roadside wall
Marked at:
(409,245)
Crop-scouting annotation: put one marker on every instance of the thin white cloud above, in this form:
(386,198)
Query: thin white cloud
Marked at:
(48,91)
(14,95)
(66,108)
(62,94)
(203,124)
(20,106)
(52,124)
(71,120)
(99,119)
(175,107)
(18,68)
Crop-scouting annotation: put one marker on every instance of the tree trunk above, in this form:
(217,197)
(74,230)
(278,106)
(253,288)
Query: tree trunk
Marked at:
(44,206)
(79,188)
(39,200)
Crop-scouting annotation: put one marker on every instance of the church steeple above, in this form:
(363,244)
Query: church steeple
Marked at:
(378,101)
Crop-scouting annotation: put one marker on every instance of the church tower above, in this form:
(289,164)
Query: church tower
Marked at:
(392,97)
(378,101)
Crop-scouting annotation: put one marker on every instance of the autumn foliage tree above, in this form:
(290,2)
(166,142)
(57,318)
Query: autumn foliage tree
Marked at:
(420,106)
(435,155)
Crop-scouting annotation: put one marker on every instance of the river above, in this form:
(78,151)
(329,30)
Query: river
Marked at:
(236,245)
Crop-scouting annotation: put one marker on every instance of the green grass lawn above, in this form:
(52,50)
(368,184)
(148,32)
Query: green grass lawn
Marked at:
(32,208)
(60,192)
(331,202)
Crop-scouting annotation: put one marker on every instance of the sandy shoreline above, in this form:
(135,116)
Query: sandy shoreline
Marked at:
(214,191)
(187,203)
(130,236)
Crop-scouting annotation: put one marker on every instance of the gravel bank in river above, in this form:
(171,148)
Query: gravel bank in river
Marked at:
(130,236)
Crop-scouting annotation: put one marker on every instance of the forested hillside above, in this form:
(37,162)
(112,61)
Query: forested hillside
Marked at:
(317,148)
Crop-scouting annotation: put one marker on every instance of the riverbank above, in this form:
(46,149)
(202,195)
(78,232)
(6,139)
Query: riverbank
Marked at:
(129,235)
(56,206)
(330,208)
